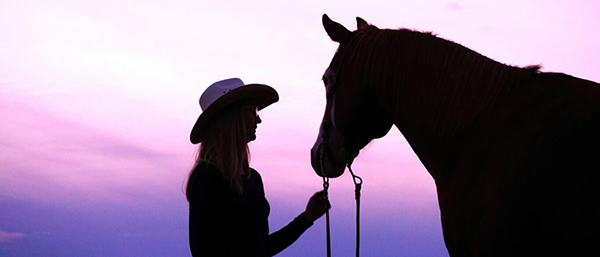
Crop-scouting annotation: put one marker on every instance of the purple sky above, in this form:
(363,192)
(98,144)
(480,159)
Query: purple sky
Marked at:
(97,99)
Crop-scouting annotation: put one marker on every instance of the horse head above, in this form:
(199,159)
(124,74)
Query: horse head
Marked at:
(352,116)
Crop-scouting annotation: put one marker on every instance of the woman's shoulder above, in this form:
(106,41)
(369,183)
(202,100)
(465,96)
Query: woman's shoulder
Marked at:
(254,173)
(205,173)
(255,176)
(205,178)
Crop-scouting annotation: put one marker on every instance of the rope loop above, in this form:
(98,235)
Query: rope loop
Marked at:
(357,183)
(357,187)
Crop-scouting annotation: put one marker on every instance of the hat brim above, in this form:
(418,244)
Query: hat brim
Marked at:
(261,95)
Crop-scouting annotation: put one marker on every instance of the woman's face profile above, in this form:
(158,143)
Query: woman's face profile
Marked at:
(251,120)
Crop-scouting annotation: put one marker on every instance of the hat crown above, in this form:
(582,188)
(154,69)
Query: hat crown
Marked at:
(217,90)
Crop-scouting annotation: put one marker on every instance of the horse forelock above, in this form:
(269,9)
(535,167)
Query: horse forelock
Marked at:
(429,80)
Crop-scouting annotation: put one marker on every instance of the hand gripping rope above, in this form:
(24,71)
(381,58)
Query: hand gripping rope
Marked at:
(357,187)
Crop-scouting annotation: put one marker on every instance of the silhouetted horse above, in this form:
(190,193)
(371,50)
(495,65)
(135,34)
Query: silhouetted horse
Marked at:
(514,152)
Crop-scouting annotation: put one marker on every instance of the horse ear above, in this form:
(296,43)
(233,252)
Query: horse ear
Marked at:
(336,31)
(360,23)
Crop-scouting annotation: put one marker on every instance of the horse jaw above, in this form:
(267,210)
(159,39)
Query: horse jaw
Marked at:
(330,160)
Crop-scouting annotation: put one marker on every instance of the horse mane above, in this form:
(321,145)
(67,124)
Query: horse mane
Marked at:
(432,81)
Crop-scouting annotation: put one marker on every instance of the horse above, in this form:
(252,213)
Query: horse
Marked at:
(514,152)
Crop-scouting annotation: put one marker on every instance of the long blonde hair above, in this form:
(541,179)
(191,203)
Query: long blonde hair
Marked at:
(226,146)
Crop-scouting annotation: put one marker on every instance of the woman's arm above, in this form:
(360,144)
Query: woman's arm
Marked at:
(317,206)
(284,237)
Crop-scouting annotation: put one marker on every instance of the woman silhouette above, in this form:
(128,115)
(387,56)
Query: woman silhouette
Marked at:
(228,209)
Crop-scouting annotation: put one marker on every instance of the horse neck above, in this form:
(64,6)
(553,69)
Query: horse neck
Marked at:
(434,89)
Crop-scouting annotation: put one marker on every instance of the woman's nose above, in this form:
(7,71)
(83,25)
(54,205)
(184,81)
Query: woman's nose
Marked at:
(257,119)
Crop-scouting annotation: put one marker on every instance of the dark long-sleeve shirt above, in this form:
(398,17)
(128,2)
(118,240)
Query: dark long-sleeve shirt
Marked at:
(225,223)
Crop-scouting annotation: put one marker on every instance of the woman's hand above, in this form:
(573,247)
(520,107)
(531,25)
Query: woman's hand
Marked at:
(317,206)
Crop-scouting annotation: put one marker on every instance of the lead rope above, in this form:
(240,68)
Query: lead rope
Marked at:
(357,186)
(325,187)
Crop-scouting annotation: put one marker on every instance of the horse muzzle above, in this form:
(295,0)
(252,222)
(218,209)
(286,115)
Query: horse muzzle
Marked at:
(325,164)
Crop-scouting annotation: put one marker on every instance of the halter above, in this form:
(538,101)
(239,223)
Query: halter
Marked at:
(356,179)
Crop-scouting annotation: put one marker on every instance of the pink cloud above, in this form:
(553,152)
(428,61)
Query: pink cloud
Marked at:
(8,237)
(50,159)
(454,6)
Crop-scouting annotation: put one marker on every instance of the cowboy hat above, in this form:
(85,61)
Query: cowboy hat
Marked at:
(224,93)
